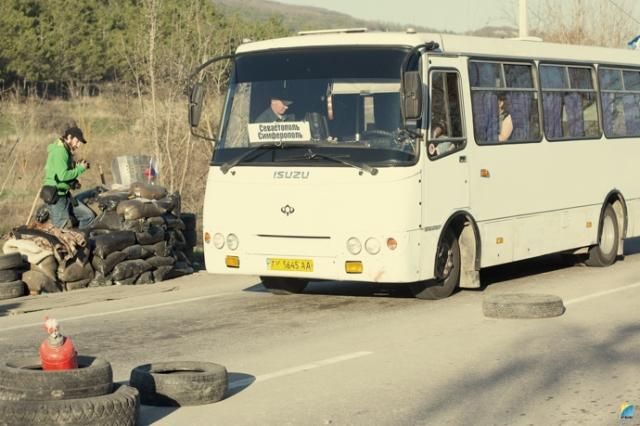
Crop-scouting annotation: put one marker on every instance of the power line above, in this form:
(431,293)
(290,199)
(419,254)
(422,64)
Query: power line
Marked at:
(624,11)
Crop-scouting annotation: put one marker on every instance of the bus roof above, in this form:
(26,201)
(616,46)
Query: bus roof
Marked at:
(455,44)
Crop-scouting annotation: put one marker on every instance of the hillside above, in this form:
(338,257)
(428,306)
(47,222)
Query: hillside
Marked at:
(299,18)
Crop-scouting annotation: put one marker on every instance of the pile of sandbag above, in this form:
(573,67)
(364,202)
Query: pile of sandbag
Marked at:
(138,237)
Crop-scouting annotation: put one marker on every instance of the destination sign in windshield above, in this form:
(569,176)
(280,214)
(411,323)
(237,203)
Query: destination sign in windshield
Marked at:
(283,131)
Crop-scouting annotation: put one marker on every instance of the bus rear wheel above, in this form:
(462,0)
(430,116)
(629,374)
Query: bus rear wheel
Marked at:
(448,263)
(605,252)
(284,286)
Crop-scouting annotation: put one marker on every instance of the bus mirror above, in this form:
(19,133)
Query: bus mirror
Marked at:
(412,95)
(195,104)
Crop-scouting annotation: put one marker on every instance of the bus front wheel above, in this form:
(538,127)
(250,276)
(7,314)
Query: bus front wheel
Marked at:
(605,252)
(448,265)
(283,286)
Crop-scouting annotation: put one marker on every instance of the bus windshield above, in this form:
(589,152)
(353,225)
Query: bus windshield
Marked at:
(343,103)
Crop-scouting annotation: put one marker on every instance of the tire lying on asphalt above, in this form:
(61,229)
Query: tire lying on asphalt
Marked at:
(180,383)
(24,380)
(11,261)
(11,289)
(522,306)
(118,408)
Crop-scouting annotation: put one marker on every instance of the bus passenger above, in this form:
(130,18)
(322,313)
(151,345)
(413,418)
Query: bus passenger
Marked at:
(506,125)
(277,110)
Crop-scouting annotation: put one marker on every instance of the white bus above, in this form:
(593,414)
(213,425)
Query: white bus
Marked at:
(419,158)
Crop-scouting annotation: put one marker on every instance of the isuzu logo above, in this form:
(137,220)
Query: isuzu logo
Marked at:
(290,175)
(287,210)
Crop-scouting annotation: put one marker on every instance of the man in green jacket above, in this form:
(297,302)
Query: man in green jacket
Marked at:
(62,172)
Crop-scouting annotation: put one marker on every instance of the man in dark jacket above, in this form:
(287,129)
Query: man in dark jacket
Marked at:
(277,111)
(62,172)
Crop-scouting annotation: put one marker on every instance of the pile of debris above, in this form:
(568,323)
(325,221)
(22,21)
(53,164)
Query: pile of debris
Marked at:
(140,236)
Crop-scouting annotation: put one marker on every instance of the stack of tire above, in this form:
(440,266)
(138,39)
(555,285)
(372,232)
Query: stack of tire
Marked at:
(11,268)
(82,396)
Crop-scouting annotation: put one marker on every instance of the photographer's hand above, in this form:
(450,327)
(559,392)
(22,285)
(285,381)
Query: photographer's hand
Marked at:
(85,164)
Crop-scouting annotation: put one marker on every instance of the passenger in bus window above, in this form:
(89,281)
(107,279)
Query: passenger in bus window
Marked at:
(506,124)
(277,111)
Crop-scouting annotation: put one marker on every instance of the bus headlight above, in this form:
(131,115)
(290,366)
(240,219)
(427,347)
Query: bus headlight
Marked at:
(372,246)
(354,246)
(232,241)
(218,240)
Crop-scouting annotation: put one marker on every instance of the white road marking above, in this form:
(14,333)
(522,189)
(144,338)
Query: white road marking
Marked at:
(600,293)
(293,370)
(119,311)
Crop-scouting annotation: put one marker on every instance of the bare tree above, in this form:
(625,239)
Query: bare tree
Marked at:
(586,22)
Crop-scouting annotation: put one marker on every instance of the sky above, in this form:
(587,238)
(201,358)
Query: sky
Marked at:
(452,15)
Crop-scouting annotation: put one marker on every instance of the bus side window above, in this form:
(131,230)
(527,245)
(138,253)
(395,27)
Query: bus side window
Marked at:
(445,130)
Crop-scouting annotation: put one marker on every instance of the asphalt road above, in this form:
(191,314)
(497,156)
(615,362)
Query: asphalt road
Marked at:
(347,353)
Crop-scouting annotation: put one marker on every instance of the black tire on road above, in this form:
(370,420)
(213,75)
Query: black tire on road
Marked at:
(522,306)
(24,379)
(606,251)
(11,261)
(180,383)
(9,275)
(11,289)
(118,408)
(284,286)
(448,260)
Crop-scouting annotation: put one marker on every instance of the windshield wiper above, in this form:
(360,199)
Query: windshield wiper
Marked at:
(240,158)
(310,155)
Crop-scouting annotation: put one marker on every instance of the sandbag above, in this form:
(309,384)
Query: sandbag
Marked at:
(100,280)
(158,261)
(109,200)
(179,269)
(161,273)
(105,266)
(113,241)
(38,282)
(159,249)
(128,269)
(108,219)
(47,266)
(75,271)
(145,190)
(137,252)
(127,281)
(136,225)
(76,285)
(171,204)
(136,209)
(173,222)
(152,235)
(177,240)
(145,278)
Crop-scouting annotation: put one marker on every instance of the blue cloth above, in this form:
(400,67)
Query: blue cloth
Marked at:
(552,109)
(64,214)
(485,116)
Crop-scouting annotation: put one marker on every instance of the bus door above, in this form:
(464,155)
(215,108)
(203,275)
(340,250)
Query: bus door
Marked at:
(446,169)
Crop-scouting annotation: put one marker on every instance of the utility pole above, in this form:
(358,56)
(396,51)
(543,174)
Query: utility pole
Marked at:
(524,25)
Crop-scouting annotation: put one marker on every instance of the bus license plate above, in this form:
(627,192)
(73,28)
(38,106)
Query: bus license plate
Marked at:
(297,265)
